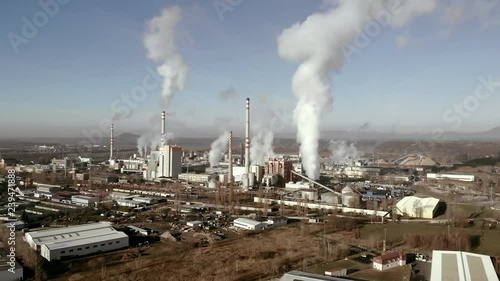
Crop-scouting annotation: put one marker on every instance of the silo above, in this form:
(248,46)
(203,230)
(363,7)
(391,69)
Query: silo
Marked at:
(349,197)
(212,183)
(309,194)
(251,180)
(330,198)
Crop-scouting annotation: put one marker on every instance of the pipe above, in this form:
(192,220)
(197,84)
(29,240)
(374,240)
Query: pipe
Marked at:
(317,183)
(247,139)
(111,143)
(230,154)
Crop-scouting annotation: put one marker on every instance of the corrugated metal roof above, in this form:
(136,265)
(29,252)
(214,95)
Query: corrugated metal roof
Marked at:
(461,266)
(66,230)
(86,240)
(247,221)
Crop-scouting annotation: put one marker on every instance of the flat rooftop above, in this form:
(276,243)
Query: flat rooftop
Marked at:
(461,266)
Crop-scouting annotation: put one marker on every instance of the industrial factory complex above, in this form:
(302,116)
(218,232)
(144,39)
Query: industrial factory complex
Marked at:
(81,207)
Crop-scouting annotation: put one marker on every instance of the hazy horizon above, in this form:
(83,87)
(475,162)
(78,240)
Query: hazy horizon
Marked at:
(74,72)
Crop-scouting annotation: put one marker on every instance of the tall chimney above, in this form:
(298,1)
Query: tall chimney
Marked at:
(111,143)
(230,167)
(247,139)
(163,127)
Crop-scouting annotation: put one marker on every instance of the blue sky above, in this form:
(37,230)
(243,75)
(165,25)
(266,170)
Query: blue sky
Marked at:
(90,53)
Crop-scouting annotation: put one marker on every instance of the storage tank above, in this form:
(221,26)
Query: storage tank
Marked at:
(330,198)
(251,180)
(349,197)
(212,183)
(309,194)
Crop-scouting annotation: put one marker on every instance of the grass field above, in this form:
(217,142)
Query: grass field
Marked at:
(488,242)
(347,264)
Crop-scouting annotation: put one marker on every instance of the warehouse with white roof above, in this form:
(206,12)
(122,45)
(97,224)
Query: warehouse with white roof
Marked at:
(249,224)
(461,266)
(77,240)
(416,207)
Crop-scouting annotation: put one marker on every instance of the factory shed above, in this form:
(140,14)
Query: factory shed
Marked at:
(461,266)
(86,201)
(37,238)
(417,207)
(84,246)
(249,224)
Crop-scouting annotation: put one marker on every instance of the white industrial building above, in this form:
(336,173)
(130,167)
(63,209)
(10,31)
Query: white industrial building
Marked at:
(164,163)
(129,203)
(467,178)
(85,201)
(77,240)
(417,207)
(47,188)
(249,224)
(297,185)
(195,177)
(461,266)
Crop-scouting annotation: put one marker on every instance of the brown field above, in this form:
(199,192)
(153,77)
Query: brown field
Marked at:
(252,257)
(487,243)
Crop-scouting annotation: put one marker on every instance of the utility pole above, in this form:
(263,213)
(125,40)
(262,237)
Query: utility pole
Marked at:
(385,238)
(448,233)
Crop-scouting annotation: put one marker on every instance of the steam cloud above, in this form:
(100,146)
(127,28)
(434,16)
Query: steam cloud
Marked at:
(318,44)
(151,141)
(159,42)
(342,153)
(261,144)
(218,148)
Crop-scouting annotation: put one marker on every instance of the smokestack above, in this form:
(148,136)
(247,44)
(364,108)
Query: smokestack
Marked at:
(247,139)
(230,153)
(163,127)
(111,143)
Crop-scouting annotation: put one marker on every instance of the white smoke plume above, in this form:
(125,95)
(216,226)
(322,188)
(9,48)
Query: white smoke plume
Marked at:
(318,44)
(261,143)
(261,146)
(343,153)
(151,141)
(159,41)
(218,148)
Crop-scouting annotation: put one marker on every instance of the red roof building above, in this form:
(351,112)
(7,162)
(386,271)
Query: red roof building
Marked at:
(389,260)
